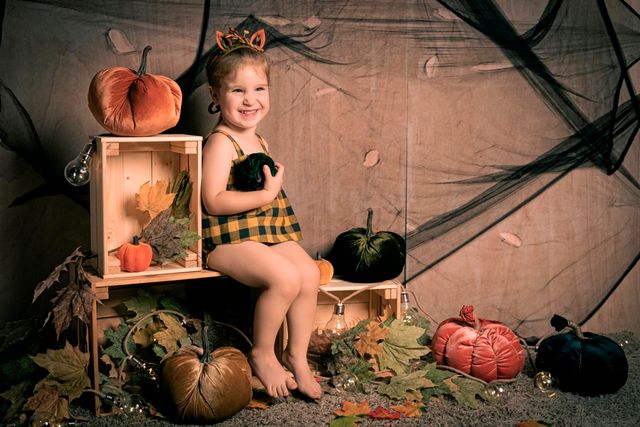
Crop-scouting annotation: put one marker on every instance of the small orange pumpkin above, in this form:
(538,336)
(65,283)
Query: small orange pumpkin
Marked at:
(130,103)
(326,269)
(135,256)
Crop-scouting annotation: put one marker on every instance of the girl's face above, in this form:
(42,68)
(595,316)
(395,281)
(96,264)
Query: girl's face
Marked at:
(244,98)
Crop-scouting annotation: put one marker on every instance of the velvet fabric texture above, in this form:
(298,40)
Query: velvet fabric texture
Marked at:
(248,174)
(589,366)
(130,103)
(485,349)
(362,255)
(199,390)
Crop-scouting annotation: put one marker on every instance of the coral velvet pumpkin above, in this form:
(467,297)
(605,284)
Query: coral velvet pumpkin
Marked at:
(486,349)
(135,256)
(130,103)
(362,255)
(204,387)
(583,362)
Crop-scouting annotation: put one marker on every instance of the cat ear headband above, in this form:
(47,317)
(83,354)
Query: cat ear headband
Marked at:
(233,40)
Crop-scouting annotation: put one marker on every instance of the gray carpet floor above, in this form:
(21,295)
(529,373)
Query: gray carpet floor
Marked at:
(524,403)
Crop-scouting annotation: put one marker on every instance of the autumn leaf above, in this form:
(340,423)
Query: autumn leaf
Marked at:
(169,337)
(46,399)
(153,199)
(55,274)
(116,336)
(409,409)
(400,346)
(383,414)
(74,300)
(368,342)
(353,409)
(141,304)
(67,366)
(465,390)
(400,384)
(350,421)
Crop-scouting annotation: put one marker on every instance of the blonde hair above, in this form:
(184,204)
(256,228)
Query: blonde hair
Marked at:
(220,66)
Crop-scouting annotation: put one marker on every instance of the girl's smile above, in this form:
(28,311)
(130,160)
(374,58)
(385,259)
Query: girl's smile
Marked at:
(244,98)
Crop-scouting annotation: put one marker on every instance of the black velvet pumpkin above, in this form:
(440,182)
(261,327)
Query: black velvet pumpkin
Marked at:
(360,255)
(248,174)
(585,363)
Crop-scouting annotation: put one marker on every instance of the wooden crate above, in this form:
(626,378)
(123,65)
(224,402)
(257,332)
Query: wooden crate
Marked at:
(120,166)
(363,300)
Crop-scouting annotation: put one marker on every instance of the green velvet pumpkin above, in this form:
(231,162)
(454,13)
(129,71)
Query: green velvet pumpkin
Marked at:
(585,363)
(362,255)
(248,174)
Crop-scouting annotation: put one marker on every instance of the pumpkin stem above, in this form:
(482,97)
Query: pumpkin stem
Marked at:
(206,357)
(369,222)
(559,323)
(143,61)
(136,240)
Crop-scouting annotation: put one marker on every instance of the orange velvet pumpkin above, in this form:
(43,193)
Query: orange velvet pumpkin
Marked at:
(130,103)
(326,269)
(135,256)
(485,349)
(204,387)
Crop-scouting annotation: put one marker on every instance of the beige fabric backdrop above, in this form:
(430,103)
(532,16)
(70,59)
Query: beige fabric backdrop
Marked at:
(402,89)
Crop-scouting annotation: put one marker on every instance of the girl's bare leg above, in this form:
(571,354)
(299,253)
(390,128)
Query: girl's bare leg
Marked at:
(258,265)
(300,318)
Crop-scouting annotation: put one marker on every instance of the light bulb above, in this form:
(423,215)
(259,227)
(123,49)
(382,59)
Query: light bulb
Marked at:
(409,314)
(546,383)
(497,392)
(337,324)
(78,171)
(346,382)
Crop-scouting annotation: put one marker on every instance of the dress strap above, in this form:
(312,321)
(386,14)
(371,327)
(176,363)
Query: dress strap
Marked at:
(263,144)
(233,141)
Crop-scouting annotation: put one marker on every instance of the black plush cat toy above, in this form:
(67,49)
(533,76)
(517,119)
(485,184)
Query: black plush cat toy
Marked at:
(248,174)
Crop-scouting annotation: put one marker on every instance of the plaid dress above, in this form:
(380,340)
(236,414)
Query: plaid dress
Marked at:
(271,223)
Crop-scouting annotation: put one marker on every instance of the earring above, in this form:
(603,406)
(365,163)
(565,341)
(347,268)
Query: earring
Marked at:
(213,108)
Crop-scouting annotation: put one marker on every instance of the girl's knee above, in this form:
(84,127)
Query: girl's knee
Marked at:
(310,274)
(287,283)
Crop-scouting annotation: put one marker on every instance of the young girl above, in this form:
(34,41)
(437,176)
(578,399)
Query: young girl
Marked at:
(252,235)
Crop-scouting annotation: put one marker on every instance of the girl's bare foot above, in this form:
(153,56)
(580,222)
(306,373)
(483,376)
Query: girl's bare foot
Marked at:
(307,383)
(271,373)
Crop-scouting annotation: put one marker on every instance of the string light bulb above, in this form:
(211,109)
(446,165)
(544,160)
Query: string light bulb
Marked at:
(337,324)
(78,171)
(409,316)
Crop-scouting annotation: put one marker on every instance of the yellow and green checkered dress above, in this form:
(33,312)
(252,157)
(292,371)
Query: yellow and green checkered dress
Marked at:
(272,223)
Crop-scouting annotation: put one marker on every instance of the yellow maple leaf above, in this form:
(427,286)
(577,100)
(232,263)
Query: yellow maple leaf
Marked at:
(409,409)
(353,409)
(153,199)
(368,342)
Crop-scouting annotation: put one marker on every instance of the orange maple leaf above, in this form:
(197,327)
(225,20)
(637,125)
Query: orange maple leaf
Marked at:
(353,409)
(153,199)
(409,409)
(368,341)
(384,414)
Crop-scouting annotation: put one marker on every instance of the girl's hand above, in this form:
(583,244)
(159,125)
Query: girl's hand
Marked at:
(273,184)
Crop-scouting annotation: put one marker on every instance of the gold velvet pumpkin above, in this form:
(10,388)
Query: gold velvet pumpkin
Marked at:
(130,103)
(203,387)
